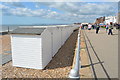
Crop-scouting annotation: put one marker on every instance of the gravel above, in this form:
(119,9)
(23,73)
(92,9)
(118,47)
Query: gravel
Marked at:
(59,67)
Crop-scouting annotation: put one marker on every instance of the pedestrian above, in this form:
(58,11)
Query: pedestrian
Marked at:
(107,27)
(97,28)
(119,27)
(81,26)
(93,26)
(89,27)
(110,28)
(86,26)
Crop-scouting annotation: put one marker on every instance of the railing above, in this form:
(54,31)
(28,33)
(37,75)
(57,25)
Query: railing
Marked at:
(74,73)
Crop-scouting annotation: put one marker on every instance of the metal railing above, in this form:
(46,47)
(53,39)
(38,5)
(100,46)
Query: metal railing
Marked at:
(74,73)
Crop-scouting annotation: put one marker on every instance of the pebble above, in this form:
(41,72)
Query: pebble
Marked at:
(59,67)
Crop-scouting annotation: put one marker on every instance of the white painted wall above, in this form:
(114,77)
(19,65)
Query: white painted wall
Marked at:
(26,51)
(59,36)
(63,35)
(46,48)
(56,39)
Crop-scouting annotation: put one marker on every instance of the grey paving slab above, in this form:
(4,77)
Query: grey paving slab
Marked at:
(5,58)
(106,47)
(0,59)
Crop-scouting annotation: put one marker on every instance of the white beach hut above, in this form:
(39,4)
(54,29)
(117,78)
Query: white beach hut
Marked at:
(56,37)
(59,35)
(64,34)
(31,47)
(35,47)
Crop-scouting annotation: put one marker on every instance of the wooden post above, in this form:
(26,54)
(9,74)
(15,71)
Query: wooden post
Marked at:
(8,29)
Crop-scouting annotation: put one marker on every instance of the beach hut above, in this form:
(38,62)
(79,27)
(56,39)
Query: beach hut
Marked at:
(34,47)
(65,34)
(31,47)
(59,35)
(56,37)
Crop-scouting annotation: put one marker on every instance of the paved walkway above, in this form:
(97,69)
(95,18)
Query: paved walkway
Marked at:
(4,58)
(103,50)
(5,50)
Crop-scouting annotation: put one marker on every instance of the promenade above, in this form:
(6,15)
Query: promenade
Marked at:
(102,50)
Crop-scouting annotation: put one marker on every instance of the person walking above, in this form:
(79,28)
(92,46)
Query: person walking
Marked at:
(107,27)
(110,28)
(97,28)
(93,26)
(89,27)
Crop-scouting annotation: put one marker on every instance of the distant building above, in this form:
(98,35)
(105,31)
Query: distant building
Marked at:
(118,18)
(110,19)
(100,20)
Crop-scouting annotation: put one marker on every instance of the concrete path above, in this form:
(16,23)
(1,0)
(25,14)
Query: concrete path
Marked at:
(103,51)
(5,58)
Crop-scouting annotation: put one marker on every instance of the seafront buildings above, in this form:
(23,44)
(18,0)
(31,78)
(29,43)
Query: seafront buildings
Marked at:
(114,19)
(100,20)
(110,19)
(118,17)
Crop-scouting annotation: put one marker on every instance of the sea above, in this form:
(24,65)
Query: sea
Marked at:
(6,28)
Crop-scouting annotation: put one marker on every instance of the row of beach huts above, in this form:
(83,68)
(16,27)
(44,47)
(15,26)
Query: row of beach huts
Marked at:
(34,47)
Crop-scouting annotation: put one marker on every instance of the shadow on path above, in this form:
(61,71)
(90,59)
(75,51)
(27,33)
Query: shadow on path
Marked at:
(84,66)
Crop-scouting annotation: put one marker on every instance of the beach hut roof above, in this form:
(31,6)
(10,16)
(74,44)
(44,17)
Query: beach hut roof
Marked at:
(28,31)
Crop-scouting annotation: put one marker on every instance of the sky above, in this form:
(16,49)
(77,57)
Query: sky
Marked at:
(54,12)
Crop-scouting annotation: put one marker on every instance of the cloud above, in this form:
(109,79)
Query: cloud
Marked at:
(97,9)
(4,9)
(63,6)
(20,12)
(14,4)
(84,8)
(119,6)
(111,0)
(17,4)
(3,6)
(36,6)
(59,0)
(83,12)
(28,12)
(72,11)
